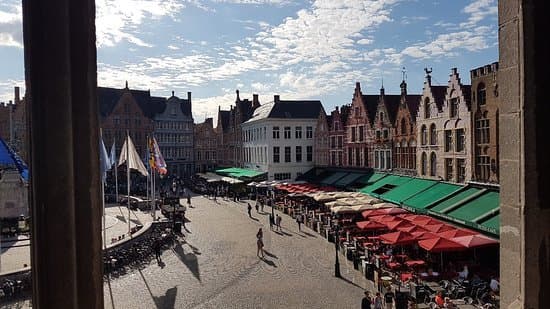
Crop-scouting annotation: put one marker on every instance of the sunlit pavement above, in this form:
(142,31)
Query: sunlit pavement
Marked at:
(217,267)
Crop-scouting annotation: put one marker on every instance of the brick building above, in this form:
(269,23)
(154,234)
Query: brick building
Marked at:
(13,124)
(485,113)
(206,146)
(337,135)
(404,138)
(321,140)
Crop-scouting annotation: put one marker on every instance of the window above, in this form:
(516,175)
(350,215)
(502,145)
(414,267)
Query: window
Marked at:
(403,126)
(448,140)
(386,134)
(276,133)
(357,157)
(333,158)
(333,142)
(365,157)
(423,135)
(433,164)
(454,107)
(357,112)
(482,131)
(361,133)
(309,132)
(340,142)
(276,155)
(287,154)
(423,164)
(381,117)
(483,167)
(427,108)
(461,170)
(460,140)
(433,135)
(287,133)
(349,156)
(309,153)
(282,176)
(298,132)
(298,153)
(481,94)
(340,154)
(449,169)
(378,134)
(336,126)
(353,134)
(376,159)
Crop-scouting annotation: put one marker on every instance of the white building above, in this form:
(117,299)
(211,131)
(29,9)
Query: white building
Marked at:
(279,138)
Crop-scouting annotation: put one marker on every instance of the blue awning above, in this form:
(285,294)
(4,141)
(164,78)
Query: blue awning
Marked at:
(10,159)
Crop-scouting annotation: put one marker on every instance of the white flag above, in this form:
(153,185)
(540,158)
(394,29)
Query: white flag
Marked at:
(132,155)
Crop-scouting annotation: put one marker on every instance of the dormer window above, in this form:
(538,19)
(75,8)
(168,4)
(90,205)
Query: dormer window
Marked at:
(481,94)
(427,108)
(381,116)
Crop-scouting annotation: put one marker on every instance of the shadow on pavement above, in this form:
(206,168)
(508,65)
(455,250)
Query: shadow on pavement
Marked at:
(168,300)
(269,262)
(286,234)
(255,219)
(189,260)
(309,234)
(121,218)
(352,283)
(270,254)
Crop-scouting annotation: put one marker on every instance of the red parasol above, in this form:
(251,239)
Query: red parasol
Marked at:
(438,228)
(392,225)
(423,220)
(411,229)
(385,218)
(472,241)
(370,225)
(397,238)
(440,244)
(392,211)
(424,235)
(456,233)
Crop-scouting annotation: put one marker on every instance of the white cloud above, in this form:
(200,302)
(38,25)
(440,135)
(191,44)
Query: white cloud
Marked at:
(6,89)
(478,10)
(11,31)
(275,2)
(364,41)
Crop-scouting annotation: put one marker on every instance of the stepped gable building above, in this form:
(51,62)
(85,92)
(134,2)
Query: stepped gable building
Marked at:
(337,135)
(174,133)
(229,130)
(485,112)
(127,110)
(429,117)
(13,124)
(383,127)
(279,138)
(206,146)
(359,134)
(405,135)
(321,138)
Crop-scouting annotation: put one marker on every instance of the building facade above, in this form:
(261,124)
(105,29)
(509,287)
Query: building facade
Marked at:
(174,135)
(321,138)
(13,124)
(404,138)
(485,113)
(206,146)
(337,135)
(279,138)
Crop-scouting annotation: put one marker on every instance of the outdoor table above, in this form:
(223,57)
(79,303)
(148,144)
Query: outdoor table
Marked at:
(394,265)
(415,263)
(406,276)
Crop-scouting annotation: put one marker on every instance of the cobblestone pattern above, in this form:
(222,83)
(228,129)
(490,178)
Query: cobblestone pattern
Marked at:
(217,267)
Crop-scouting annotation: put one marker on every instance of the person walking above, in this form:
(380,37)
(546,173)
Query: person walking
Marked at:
(299,221)
(257,206)
(249,210)
(378,301)
(271,221)
(262,204)
(366,302)
(157,248)
(279,219)
(260,243)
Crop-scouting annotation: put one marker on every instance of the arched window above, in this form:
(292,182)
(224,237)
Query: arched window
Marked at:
(481,95)
(403,126)
(433,135)
(433,164)
(423,135)
(427,108)
(423,164)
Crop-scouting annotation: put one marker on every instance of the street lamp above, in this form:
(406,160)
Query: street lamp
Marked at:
(174,189)
(336,243)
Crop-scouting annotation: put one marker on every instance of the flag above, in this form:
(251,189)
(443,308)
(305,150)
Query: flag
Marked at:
(104,160)
(128,150)
(113,154)
(156,160)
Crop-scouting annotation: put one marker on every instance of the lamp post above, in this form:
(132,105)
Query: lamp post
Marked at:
(336,243)
(174,189)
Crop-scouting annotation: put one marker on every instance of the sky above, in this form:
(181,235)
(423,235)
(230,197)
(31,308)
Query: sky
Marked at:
(311,49)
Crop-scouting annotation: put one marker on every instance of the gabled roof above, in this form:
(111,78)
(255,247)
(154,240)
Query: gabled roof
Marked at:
(439,93)
(467,93)
(296,109)
(370,101)
(184,104)
(392,105)
(109,97)
(413,102)
(224,117)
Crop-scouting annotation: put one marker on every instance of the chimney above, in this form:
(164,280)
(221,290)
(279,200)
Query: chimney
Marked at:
(172,92)
(337,108)
(453,71)
(403,88)
(17,98)
(238,98)
(255,101)
(189,96)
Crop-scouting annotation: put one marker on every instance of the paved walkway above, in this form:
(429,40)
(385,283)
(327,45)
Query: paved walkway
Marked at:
(218,268)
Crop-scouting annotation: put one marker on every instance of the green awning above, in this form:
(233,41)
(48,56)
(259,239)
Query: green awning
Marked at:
(446,203)
(236,172)
(475,209)
(346,180)
(385,184)
(428,197)
(370,179)
(492,225)
(407,190)
(333,178)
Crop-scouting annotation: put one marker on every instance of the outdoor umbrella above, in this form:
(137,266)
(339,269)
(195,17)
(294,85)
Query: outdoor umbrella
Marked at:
(397,238)
(440,244)
(392,210)
(438,228)
(342,209)
(369,225)
(473,241)
(424,235)
(423,220)
(383,205)
(411,229)
(359,208)
(385,218)
(456,233)
(392,225)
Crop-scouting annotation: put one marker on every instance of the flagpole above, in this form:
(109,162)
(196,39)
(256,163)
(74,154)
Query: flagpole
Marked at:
(153,193)
(103,177)
(128,176)
(147,184)
(116,173)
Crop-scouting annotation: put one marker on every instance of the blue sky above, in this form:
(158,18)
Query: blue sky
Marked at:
(314,49)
